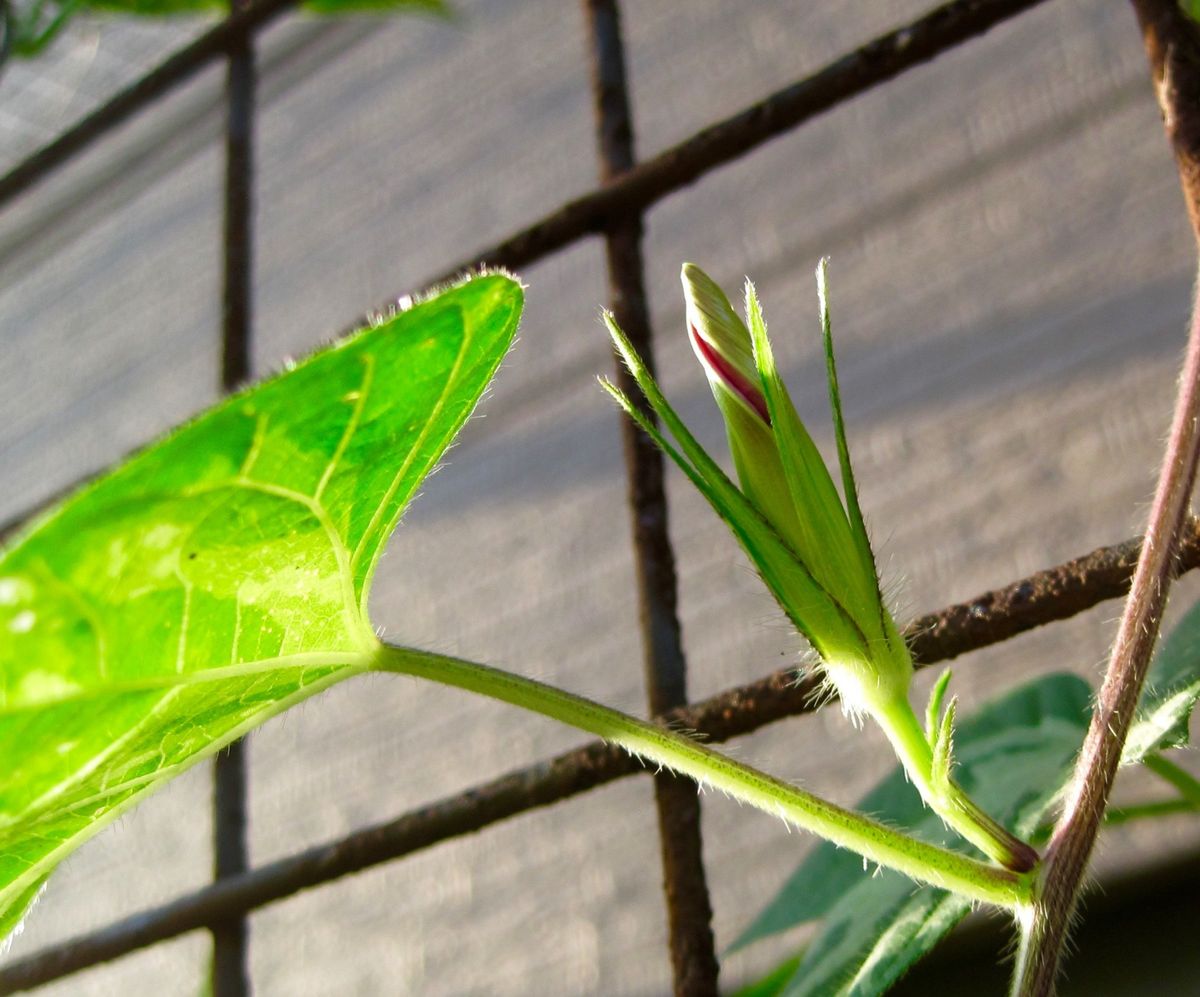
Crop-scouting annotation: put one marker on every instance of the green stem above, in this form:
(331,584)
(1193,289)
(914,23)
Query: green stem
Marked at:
(947,799)
(875,842)
(1187,784)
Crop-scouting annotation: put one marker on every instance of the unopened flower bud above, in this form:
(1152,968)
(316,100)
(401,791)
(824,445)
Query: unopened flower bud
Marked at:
(723,346)
(721,342)
(808,542)
(784,475)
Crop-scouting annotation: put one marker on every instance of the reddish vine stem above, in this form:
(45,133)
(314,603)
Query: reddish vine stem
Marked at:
(1173,47)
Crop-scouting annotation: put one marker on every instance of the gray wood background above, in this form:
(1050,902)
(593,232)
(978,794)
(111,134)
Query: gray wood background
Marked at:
(1011,271)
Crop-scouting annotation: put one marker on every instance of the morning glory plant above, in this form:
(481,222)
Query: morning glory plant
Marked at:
(808,542)
(223,574)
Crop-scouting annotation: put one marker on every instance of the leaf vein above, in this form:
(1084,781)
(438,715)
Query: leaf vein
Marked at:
(86,769)
(374,525)
(256,442)
(351,425)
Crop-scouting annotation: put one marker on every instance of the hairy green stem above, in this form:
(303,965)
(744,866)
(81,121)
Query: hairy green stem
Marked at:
(945,797)
(877,843)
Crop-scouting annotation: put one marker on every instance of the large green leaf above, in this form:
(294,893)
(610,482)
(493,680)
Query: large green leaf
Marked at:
(221,575)
(1014,757)
(1171,690)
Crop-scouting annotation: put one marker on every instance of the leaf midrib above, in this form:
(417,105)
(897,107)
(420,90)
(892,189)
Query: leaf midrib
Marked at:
(301,660)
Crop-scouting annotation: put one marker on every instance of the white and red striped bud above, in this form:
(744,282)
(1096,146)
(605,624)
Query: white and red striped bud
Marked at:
(785,477)
(808,542)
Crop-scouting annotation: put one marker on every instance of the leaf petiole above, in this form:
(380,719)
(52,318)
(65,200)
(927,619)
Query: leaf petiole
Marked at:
(874,841)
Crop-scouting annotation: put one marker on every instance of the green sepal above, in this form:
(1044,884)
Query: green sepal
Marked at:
(849,487)
(934,710)
(819,618)
(943,747)
(823,533)
(33,29)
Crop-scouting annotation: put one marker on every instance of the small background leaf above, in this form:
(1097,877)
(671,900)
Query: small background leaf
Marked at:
(221,575)
(1014,757)
(1171,690)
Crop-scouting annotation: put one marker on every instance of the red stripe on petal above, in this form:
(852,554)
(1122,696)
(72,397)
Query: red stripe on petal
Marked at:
(730,375)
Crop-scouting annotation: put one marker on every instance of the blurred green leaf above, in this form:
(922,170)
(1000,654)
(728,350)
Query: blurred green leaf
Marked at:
(816,615)
(221,575)
(1170,693)
(1014,757)
(773,982)
(34,25)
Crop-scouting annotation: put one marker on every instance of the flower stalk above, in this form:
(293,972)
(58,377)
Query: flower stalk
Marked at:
(810,547)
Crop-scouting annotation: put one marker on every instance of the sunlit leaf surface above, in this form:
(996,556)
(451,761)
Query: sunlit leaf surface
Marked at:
(222,574)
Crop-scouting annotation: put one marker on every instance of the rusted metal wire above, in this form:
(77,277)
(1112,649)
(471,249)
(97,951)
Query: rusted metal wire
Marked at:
(876,62)
(177,69)
(653,179)
(613,209)
(230,959)
(677,800)
(1044,597)
(941,29)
